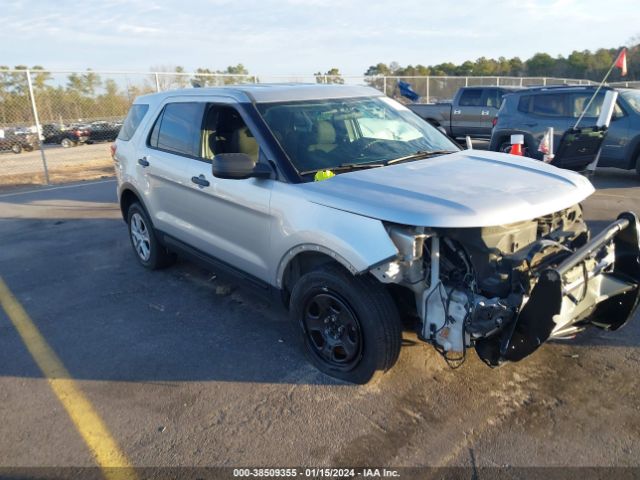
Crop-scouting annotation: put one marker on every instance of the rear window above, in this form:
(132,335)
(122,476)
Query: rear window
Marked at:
(178,129)
(471,98)
(131,123)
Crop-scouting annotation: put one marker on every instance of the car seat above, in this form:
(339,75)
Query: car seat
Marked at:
(325,138)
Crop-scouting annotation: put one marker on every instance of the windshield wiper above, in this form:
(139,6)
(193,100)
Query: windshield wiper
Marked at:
(419,155)
(344,167)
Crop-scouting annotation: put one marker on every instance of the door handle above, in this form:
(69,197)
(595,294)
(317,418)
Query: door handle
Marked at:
(143,161)
(457,112)
(200,181)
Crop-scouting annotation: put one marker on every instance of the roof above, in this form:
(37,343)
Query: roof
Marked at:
(274,92)
(564,88)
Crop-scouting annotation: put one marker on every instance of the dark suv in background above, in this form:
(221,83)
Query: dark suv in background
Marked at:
(17,140)
(532,111)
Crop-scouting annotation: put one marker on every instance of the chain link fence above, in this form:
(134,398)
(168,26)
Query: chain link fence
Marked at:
(56,126)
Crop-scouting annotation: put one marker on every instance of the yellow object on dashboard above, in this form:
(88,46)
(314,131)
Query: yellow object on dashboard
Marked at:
(323,175)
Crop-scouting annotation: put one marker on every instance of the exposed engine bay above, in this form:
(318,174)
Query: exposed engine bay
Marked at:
(507,289)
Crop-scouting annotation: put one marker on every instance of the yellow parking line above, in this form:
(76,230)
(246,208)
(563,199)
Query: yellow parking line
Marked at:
(95,433)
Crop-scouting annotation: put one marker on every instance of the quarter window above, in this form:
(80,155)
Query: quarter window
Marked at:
(134,117)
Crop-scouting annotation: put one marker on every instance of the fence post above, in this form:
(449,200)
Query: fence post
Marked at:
(157,82)
(544,81)
(466,81)
(38,130)
(521,81)
(497,81)
(428,88)
(384,84)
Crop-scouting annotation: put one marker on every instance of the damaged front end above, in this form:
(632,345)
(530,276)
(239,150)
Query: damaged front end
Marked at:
(505,290)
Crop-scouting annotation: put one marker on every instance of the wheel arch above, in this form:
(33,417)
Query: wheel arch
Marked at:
(302,259)
(129,195)
(505,135)
(633,152)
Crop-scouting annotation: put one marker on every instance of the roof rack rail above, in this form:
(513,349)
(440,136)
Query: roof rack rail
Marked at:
(560,85)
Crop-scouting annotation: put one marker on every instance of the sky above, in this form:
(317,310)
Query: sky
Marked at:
(301,36)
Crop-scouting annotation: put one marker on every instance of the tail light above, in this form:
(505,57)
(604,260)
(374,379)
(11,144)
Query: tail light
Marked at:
(494,121)
(113,149)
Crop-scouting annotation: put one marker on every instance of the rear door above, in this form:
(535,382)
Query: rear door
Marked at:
(466,116)
(543,110)
(491,101)
(173,139)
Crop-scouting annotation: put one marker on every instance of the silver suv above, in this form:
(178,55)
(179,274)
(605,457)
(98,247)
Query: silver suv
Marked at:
(363,219)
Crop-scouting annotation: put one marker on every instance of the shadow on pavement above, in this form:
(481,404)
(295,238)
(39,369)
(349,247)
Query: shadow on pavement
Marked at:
(108,318)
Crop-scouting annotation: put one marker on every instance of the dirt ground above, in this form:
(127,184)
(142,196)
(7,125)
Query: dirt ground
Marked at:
(84,162)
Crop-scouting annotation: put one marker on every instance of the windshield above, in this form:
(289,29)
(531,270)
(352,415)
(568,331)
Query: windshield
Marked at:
(327,134)
(633,98)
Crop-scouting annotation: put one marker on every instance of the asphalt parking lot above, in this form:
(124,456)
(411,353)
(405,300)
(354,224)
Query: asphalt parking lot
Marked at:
(186,369)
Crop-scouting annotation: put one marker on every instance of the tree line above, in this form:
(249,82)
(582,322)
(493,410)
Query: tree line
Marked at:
(84,96)
(583,64)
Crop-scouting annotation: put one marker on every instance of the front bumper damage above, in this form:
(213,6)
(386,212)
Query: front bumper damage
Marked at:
(597,285)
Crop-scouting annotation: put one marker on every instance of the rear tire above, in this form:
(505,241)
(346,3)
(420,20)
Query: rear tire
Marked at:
(67,143)
(505,147)
(16,148)
(148,250)
(349,325)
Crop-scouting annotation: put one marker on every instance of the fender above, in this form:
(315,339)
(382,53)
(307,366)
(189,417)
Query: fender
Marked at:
(355,241)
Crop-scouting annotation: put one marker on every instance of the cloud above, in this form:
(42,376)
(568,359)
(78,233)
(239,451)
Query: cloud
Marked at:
(138,29)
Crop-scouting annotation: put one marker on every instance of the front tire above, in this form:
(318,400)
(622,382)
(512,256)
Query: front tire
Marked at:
(16,148)
(148,250)
(67,143)
(349,325)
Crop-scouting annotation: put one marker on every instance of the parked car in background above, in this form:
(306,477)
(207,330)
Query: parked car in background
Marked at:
(357,214)
(531,112)
(17,140)
(470,113)
(67,136)
(103,131)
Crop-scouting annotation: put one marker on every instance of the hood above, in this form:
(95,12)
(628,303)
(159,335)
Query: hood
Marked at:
(471,188)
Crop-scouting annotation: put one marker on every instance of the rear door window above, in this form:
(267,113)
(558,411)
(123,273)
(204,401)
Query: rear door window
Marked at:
(550,105)
(471,98)
(493,97)
(178,129)
(131,123)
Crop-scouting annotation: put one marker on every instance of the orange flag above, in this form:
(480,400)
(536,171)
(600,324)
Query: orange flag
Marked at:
(621,62)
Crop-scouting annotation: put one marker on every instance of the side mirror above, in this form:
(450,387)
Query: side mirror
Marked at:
(238,166)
